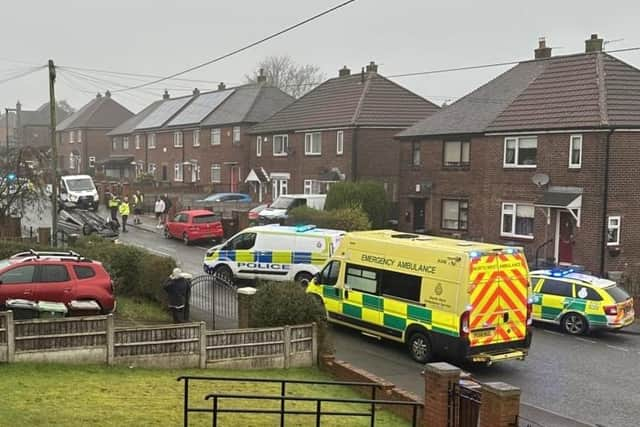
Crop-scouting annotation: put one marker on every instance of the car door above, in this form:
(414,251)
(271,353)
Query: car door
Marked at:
(17,283)
(240,250)
(177,226)
(556,296)
(331,290)
(54,283)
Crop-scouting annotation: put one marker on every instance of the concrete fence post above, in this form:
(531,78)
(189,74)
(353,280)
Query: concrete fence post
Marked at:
(314,344)
(11,337)
(203,345)
(286,338)
(245,295)
(111,339)
(438,380)
(500,405)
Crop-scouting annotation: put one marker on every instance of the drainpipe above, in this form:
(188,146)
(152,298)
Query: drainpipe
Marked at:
(605,205)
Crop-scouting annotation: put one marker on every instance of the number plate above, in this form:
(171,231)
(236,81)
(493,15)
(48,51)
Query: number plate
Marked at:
(486,333)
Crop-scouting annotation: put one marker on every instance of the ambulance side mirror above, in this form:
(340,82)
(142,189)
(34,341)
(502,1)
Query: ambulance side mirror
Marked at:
(316,278)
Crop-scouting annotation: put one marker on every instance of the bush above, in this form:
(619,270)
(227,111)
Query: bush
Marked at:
(370,196)
(348,219)
(282,304)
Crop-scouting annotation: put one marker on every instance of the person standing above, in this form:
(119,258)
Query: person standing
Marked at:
(178,290)
(138,200)
(167,207)
(113,207)
(158,208)
(125,210)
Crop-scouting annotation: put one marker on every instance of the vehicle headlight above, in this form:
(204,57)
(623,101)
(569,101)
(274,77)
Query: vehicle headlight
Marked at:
(73,197)
(209,253)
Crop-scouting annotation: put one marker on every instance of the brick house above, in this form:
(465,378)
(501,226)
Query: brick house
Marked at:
(82,137)
(545,156)
(199,139)
(341,130)
(29,128)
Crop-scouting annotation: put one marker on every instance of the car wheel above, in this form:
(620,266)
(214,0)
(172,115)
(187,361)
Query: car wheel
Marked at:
(304,278)
(420,347)
(166,233)
(185,239)
(224,273)
(574,324)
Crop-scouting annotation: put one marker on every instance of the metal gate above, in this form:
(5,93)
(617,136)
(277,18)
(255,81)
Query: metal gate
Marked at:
(214,299)
(464,404)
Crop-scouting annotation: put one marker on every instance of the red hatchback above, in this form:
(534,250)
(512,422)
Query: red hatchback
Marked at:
(64,277)
(194,225)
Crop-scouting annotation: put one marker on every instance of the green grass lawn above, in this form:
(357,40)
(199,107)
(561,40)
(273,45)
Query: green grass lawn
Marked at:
(133,311)
(65,395)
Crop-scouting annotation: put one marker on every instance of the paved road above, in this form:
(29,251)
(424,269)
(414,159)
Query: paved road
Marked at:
(593,378)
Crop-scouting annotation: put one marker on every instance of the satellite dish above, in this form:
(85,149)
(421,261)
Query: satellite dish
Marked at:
(540,179)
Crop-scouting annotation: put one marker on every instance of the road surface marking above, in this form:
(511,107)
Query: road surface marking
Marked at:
(553,333)
(202,247)
(615,347)
(149,249)
(586,340)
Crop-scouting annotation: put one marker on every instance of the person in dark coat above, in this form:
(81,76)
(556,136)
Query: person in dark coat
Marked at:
(178,290)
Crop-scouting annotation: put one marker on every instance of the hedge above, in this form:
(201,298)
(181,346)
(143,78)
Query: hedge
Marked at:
(348,219)
(368,195)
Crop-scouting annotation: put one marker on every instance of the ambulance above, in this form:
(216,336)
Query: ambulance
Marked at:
(441,297)
(273,252)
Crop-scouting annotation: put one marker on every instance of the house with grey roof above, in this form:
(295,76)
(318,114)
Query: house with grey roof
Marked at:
(544,156)
(29,128)
(82,136)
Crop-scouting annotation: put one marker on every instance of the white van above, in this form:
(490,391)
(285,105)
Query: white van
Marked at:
(273,252)
(278,211)
(78,191)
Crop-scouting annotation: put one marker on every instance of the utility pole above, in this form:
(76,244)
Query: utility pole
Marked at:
(54,154)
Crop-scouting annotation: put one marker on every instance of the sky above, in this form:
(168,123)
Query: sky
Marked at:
(162,37)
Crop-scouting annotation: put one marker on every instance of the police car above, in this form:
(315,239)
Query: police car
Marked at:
(579,302)
(273,252)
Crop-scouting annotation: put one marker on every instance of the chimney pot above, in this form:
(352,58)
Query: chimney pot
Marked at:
(372,67)
(362,75)
(107,94)
(98,95)
(344,71)
(196,91)
(593,44)
(18,106)
(221,86)
(166,94)
(542,51)
(261,77)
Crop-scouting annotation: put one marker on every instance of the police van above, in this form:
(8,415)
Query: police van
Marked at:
(445,297)
(273,252)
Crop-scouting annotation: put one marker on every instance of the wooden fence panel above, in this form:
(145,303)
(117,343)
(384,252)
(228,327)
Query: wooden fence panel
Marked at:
(301,339)
(157,340)
(3,329)
(60,334)
(247,343)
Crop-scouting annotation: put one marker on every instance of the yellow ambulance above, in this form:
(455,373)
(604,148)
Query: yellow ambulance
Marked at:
(441,297)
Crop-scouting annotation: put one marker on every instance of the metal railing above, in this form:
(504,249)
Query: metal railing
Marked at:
(464,405)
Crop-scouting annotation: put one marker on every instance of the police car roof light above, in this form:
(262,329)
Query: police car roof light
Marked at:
(561,272)
(510,250)
(303,228)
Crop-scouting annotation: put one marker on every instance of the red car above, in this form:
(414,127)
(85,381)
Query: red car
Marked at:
(194,225)
(64,277)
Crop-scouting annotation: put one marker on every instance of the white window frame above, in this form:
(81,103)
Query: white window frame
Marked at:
(195,172)
(125,143)
(216,136)
(339,142)
(72,137)
(72,161)
(79,135)
(151,141)
(573,138)
(178,172)
(178,139)
(196,138)
(284,143)
(236,134)
(151,169)
(114,143)
(416,160)
(515,164)
(308,144)
(92,162)
(514,210)
(308,186)
(137,139)
(280,187)
(216,167)
(461,150)
(616,227)
(258,146)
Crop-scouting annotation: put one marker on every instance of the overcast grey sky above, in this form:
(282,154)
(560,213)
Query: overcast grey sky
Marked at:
(164,36)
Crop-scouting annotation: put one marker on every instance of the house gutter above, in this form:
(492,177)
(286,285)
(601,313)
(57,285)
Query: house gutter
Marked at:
(605,204)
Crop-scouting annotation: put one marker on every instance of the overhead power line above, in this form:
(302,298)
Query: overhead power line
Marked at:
(23,74)
(242,49)
(143,75)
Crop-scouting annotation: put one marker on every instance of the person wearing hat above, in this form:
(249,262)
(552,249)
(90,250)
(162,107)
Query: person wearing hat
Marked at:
(178,290)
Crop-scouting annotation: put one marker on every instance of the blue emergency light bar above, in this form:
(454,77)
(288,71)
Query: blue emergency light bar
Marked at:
(303,228)
(563,271)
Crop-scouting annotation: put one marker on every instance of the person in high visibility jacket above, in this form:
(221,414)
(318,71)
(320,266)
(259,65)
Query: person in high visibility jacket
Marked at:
(138,200)
(113,206)
(124,213)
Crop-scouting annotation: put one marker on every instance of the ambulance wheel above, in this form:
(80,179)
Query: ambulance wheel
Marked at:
(420,347)
(224,273)
(303,278)
(574,324)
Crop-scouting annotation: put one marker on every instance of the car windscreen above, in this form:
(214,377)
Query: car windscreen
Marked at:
(206,219)
(282,203)
(80,184)
(617,293)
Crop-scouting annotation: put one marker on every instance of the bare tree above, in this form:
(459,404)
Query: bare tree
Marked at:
(284,73)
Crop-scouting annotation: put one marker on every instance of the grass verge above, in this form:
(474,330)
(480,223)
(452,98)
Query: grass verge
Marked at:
(70,396)
(136,311)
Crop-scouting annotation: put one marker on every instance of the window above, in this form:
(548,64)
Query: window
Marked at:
(72,137)
(280,187)
(195,172)
(400,285)
(618,294)
(520,152)
(613,231)
(415,154)
(22,274)
(259,146)
(72,161)
(313,144)
(151,168)
(92,162)
(588,293)
(114,143)
(177,139)
(361,279)
(575,152)
(517,220)
(151,140)
(340,142)
(83,272)
(215,136)
(456,153)
(242,241)
(206,219)
(329,275)
(236,134)
(125,143)
(308,186)
(557,287)
(181,218)
(79,135)
(137,142)
(196,138)
(177,172)
(216,174)
(455,214)
(54,273)
(280,145)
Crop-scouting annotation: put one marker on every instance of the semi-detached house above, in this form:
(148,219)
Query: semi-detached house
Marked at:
(544,156)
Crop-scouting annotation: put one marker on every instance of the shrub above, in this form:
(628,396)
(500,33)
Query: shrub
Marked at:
(348,219)
(368,195)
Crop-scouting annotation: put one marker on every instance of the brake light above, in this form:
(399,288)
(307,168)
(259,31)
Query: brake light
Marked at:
(529,312)
(611,310)
(464,324)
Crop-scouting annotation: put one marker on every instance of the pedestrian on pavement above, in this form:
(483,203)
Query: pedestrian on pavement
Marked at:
(167,207)
(159,210)
(113,207)
(124,213)
(178,290)
(138,200)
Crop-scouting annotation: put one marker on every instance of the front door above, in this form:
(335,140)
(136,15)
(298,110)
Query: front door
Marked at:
(235,178)
(565,238)
(419,215)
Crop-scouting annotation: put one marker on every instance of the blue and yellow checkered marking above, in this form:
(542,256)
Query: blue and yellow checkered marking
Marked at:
(276,257)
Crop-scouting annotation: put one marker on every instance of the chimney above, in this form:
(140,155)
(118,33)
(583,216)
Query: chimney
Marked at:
(344,71)
(98,95)
(372,67)
(542,51)
(362,75)
(196,92)
(221,86)
(261,77)
(166,94)
(593,44)
(107,94)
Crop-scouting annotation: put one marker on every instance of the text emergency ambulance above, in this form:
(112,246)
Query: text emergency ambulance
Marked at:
(447,297)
